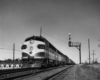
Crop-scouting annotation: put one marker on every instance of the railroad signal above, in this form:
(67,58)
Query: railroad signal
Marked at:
(69,36)
(69,44)
(69,40)
(75,44)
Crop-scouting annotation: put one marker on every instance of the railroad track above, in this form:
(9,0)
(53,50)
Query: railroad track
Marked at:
(45,74)
(22,73)
(16,74)
(7,71)
(54,76)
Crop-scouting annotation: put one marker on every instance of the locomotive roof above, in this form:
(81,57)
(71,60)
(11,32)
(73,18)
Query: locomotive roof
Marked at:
(35,38)
(40,38)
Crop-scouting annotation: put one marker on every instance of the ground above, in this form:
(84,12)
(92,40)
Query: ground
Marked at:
(88,73)
(77,72)
(83,72)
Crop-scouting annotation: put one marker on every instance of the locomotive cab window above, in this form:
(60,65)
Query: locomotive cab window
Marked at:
(24,46)
(41,46)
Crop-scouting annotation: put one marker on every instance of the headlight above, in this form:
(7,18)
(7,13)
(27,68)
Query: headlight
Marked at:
(31,41)
(31,48)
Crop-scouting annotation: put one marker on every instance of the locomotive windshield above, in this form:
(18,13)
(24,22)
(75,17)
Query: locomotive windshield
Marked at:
(41,46)
(24,46)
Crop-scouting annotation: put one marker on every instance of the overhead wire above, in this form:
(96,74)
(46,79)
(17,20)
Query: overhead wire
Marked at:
(54,37)
(59,39)
(9,49)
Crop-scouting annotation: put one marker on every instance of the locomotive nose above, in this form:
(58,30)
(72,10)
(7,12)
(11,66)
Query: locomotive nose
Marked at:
(24,46)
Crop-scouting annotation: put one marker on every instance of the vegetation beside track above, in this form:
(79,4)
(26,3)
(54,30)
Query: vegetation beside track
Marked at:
(86,72)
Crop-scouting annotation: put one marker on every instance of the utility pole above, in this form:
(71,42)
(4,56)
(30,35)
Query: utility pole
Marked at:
(89,49)
(93,55)
(77,45)
(13,54)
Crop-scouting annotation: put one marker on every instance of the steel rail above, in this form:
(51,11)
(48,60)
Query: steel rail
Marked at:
(22,74)
(52,77)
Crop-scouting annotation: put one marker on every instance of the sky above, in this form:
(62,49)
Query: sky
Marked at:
(20,19)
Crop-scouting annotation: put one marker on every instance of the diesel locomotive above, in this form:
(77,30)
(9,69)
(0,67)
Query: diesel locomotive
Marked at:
(37,51)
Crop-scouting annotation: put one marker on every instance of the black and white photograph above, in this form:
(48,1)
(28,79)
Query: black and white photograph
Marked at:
(49,39)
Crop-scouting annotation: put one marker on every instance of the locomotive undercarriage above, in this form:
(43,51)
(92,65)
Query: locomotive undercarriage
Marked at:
(40,63)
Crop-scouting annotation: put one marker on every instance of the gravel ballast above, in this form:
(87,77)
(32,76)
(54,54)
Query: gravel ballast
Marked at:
(76,72)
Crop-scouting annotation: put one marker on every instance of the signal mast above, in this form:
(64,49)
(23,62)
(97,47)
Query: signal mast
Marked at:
(75,44)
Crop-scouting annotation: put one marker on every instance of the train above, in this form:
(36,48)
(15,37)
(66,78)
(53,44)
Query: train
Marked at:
(38,52)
